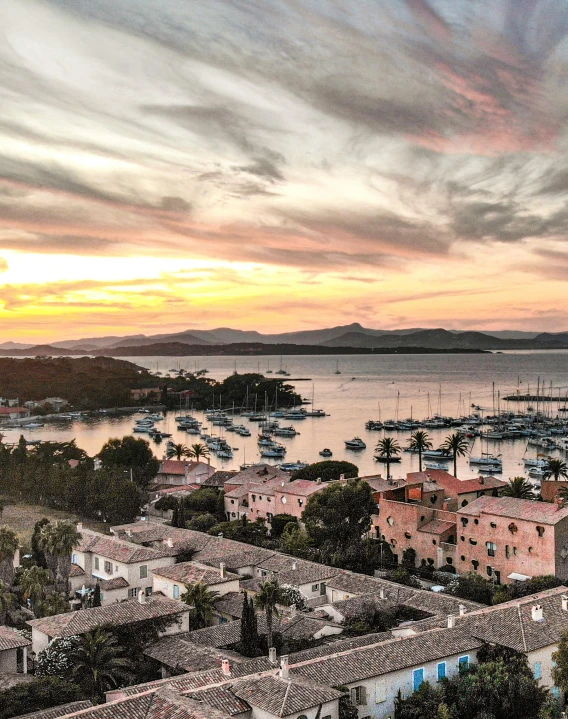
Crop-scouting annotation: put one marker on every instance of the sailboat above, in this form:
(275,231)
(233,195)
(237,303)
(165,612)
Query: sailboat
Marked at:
(281,371)
(268,370)
(337,370)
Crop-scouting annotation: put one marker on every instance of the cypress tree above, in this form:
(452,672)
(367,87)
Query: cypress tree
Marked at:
(249,629)
(97,596)
(175,516)
(182,521)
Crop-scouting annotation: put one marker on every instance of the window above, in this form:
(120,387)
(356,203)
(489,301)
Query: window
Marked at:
(232,501)
(433,541)
(507,552)
(144,571)
(284,500)
(417,679)
(96,562)
(268,499)
(540,531)
(491,548)
(390,521)
(441,671)
(493,525)
(473,541)
(462,557)
(358,696)
(315,587)
(254,497)
(74,558)
(407,535)
(489,571)
(108,567)
(463,662)
(380,693)
(475,564)
(537,670)
(176,591)
(132,593)
(464,521)
(301,502)
(148,591)
(476,521)
(465,503)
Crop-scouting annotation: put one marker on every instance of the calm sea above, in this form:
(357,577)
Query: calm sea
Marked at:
(368,387)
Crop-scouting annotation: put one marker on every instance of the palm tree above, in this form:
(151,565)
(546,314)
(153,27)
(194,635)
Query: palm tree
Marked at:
(458,445)
(556,469)
(177,450)
(520,488)
(388,448)
(99,664)
(8,546)
(202,600)
(419,442)
(196,451)
(58,542)
(266,600)
(33,583)
(6,601)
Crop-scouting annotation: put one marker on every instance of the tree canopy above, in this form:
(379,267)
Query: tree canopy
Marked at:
(130,453)
(327,471)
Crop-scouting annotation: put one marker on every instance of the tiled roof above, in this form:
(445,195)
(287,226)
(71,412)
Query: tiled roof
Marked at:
(176,466)
(238,492)
(301,487)
(118,614)
(115,583)
(514,508)
(231,604)
(283,697)
(177,652)
(290,570)
(393,655)
(247,557)
(77,571)
(218,479)
(356,605)
(453,485)
(222,699)
(62,710)
(340,645)
(436,526)
(118,550)
(192,572)
(259,472)
(10,639)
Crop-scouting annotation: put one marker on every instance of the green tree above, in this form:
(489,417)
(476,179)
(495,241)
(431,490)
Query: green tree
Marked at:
(203,501)
(33,583)
(6,601)
(8,545)
(128,454)
(198,451)
(203,522)
(422,704)
(267,600)
(458,445)
(59,542)
(419,442)
(54,603)
(555,469)
(37,552)
(249,639)
(473,587)
(520,488)
(409,559)
(327,471)
(279,522)
(177,450)
(99,664)
(56,659)
(40,694)
(560,658)
(339,515)
(96,602)
(202,601)
(295,540)
(388,448)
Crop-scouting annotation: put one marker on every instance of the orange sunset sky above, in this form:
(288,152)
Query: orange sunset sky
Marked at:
(282,165)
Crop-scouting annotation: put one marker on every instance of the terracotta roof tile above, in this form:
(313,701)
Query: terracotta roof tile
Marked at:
(193,572)
(10,639)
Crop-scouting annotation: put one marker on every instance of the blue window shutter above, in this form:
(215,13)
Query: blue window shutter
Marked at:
(537,670)
(441,670)
(463,662)
(417,678)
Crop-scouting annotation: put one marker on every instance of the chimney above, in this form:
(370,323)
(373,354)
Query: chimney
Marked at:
(170,542)
(559,503)
(222,570)
(294,565)
(292,611)
(382,593)
(341,476)
(318,480)
(79,526)
(129,532)
(482,480)
(141,596)
(282,483)
(272,658)
(451,621)
(462,610)
(284,667)
(564,603)
(537,613)
(226,667)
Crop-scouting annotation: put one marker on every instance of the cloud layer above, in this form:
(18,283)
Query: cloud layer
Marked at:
(362,144)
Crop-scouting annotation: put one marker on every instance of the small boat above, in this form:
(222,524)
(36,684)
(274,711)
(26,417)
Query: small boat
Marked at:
(436,465)
(491,469)
(243,432)
(442,454)
(326,453)
(285,432)
(337,370)
(383,458)
(536,472)
(373,425)
(277,451)
(225,454)
(292,466)
(486,460)
(33,425)
(355,443)
(315,413)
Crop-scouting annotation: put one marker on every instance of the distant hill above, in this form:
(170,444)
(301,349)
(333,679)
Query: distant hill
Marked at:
(180,338)
(552,337)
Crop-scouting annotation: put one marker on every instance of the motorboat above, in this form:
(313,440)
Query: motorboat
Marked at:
(326,453)
(436,465)
(225,454)
(276,451)
(438,454)
(292,466)
(491,469)
(373,425)
(486,460)
(383,458)
(315,413)
(355,443)
(537,472)
(285,432)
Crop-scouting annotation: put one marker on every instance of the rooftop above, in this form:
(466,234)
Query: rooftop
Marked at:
(10,639)
(513,508)
(283,697)
(179,467)
(55,712)
(436,526)
(290,570)
(193,572)
(453,485)
(117,549)
(118,614)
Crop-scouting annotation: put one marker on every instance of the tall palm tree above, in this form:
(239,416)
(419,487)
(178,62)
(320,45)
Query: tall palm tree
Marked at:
(177,450)
(33,583)
(419,442)
(8,545)
(555,469)
(99,664)
(59,542)
(196,451)
(458,445)
(266,600)
(202,600)
(520,488)
(6,601)
(388,448)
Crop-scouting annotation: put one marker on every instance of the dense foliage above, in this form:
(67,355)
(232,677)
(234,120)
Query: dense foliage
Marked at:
(42,693)
(85,382)
(130,455)
(327,471)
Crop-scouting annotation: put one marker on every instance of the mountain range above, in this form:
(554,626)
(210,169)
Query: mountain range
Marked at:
(353,335)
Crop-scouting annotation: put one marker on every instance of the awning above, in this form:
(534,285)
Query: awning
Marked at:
(515,576)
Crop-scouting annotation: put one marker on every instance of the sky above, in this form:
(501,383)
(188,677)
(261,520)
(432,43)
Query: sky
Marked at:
(282,165)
